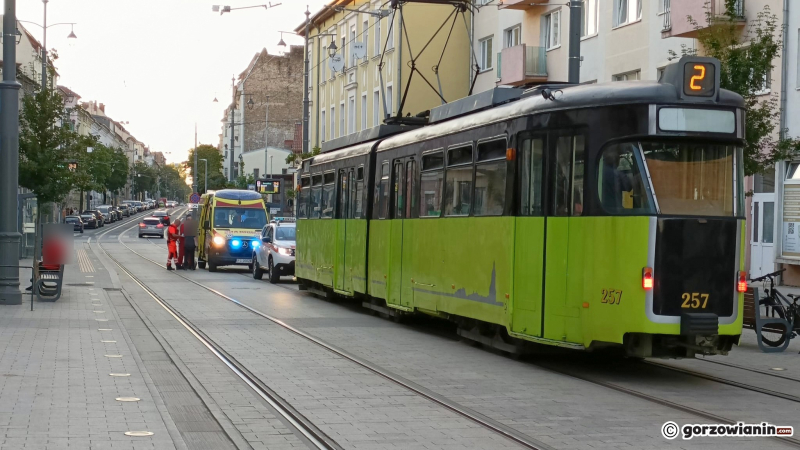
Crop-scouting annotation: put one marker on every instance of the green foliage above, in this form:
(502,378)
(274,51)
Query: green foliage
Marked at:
(144,178)
(46,148)
(293,157)
(172,183)
(747,59)
(216,180)
(242,181)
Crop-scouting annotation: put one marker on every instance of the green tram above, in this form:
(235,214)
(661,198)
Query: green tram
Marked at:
(589,216)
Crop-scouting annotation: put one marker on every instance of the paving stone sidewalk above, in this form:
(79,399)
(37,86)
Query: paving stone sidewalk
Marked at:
(55,387)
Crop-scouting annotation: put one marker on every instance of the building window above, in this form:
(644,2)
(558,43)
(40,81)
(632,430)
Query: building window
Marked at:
(552,29)
(365,39)
(511,37)
(589,18)
(627,11)
(353,61)
(634,75)
(485,58)
(333,122)
(322,128)
(377,49)
(341,119)
(363,111)
(390,33)
(376,107)
(766,84)
(389,109)
(351,115)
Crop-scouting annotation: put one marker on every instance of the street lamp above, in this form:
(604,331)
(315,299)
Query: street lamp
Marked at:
(44,40)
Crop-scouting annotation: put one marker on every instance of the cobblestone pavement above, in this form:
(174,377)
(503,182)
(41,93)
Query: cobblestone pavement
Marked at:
(360,410)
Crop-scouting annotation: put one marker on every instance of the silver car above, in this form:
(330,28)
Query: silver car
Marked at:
(151,226)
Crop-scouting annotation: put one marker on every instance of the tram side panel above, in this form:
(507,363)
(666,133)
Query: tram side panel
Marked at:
(355,254)
(525,311)
(461,266)
(316,243)
(378,273)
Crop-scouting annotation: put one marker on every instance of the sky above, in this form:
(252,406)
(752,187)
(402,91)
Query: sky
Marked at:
(159,64)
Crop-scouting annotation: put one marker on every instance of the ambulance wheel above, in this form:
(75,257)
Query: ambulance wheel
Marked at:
(212,267)
(201,264)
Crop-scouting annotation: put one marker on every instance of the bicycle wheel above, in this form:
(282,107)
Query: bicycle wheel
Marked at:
(773,335)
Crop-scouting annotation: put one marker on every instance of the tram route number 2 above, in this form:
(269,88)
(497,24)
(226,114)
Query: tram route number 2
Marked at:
(695,300)
(611,296)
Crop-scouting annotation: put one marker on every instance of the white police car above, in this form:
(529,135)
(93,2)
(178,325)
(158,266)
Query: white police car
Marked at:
(275,255)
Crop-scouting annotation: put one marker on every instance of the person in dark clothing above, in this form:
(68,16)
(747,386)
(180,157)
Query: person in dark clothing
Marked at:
(615,182)
(189,242)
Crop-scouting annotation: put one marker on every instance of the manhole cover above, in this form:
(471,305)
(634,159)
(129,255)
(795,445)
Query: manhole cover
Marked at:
(120,374)
(128,399)
(104,329)
(108,342)
(113,356)
(778,368)
(98,312)
(101,320)
(138,433)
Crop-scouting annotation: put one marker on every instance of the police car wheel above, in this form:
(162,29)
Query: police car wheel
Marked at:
(273,275)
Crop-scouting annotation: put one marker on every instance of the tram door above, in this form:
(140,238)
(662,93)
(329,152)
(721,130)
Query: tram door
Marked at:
(341,278)
(403,169)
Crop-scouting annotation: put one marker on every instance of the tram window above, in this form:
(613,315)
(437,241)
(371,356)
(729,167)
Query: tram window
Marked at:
(490,150)
(342,194)
(316,180)
(360,173)
(458,191)
(531,177)
(459,155)
(620,181)
(315,203)
(328,200)
(490,188)
(430,189)
(433,160)
(397,188)
(411,187)
(302,204)
(382,192)
(568,178)
(358,200)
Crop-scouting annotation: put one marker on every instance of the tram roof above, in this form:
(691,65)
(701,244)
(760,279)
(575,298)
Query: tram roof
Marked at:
(573,97)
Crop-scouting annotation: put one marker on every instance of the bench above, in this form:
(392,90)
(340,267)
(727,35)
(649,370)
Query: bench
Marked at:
(47,282)
(753,319)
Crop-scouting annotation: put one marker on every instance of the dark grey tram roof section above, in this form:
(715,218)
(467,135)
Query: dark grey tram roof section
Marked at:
(349,152)
(473,103)
(573,97)
(368,134)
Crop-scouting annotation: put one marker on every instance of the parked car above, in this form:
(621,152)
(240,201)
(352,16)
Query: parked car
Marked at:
(275,253)
(123,208)
(151,226)
(101,220)
(108,215)
(90,220)
(76,222)
(163,216)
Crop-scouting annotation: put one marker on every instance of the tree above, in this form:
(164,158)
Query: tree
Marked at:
(215,178)
(47,148)
(746,62)
(118,176)
(144,178)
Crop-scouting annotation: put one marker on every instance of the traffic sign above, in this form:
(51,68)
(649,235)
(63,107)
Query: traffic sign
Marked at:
(195,198)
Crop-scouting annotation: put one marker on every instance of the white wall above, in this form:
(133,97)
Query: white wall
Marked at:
(255,159)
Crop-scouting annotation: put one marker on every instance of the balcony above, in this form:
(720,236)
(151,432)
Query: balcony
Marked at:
(521,64)
(705,12)
(519,4)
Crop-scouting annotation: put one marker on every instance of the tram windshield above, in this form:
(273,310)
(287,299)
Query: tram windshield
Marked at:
(695,178)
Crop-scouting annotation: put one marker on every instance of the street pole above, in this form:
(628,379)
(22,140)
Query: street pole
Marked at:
(206,174)
(305,86)
(44,48)
(233,106)
(9,162)
(574,65)
(270,167)
(266,135)
(194,175)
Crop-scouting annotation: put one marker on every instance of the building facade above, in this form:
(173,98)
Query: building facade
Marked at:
(366,82)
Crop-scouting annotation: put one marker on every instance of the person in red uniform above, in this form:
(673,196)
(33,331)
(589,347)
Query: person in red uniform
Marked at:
(179,249)
(172,244)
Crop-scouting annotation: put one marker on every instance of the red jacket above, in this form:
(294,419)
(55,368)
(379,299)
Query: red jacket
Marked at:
(171,232)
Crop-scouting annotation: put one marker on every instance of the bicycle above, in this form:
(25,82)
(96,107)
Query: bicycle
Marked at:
(778,305)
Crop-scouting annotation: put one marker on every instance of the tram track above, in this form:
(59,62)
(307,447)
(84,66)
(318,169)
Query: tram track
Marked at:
(749,369)
(283,407)
(505,431)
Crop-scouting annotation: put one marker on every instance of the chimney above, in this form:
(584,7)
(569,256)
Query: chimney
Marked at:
(102,107)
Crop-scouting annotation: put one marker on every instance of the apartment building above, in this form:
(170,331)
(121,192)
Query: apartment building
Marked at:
(367,81)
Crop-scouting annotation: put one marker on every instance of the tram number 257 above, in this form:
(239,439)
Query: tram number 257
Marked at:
(695,300)
(611,296)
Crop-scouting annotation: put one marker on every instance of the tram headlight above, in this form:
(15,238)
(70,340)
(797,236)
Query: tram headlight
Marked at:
(218,241)
(284,251)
